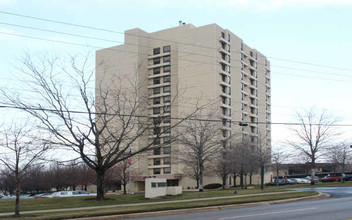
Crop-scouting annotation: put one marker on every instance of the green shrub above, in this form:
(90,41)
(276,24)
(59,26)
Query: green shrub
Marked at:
(213,186)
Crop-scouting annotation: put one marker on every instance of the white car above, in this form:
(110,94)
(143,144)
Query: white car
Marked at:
(302,180)
(72,193)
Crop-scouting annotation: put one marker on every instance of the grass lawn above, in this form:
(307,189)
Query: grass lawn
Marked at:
(159,207)
(74,202)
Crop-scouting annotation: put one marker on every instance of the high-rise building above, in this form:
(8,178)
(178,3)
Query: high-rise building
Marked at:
(179,67)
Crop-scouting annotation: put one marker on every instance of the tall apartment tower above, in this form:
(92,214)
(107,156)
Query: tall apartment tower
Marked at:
(193,65)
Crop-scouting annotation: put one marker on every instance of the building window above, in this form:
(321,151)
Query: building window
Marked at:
(167,99)
(224,133)
(156,151)
(156,110)
(223,77)
(166,59)
(167,119)
(223,89)
(156,171)
(166,89)
(167,129)
(156,81)
(156,61)
(157,161)
(156,51)
(157,121)
(241,46)
(167,69)
(166,79)
(157,141)
(156,70)
(224,111)
(167,140)
(157,130)
(229,48)
(167,109)
(167,161)
(223,100)
(223,67)
(156,91)
(166,49)
(167,170)
(167,150)
(156,101)
(223,35)
(229,37)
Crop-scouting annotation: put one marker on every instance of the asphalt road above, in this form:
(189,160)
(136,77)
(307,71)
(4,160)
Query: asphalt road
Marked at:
(338,206)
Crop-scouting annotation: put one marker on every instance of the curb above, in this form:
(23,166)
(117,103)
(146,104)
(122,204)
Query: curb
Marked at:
(139,204)
(203,209)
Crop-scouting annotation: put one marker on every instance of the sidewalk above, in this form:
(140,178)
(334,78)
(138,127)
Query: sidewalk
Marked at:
(141,204)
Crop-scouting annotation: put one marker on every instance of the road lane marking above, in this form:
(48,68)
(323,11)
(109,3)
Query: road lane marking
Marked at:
(267,213)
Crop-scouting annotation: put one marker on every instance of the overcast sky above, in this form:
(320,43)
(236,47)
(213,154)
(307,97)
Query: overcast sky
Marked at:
(310,31)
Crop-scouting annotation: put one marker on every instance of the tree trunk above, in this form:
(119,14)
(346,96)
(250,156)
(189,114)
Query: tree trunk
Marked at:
(197,183)
(241,179)
(234,180)
(250,178)
(201,189)
(262,177)
(17,205)
(245,181)
(312,182)
(224,181)
(124,188)
(277,177)
(342,172)
(100,185)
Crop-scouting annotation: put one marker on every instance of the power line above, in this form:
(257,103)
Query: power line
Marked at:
(96,47)
(102,39)
(136,35)
(243,123)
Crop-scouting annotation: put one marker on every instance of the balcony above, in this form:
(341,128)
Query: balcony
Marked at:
(222,50)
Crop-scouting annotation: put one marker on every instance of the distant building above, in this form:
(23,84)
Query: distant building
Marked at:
(184,63)
(301,170)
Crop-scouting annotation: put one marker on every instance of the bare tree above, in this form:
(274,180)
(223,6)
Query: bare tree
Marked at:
(242,159)
(200,142)
(314,134)
(101,126)
(222,166)
(339,156)
(20,149)
(124,172)
(262,154)
(278,157)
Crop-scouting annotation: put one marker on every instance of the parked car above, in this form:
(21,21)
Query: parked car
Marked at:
(316,179)
(302,180)
(331,178)
(291,181)
(42,195)
(347,177)
(70,193)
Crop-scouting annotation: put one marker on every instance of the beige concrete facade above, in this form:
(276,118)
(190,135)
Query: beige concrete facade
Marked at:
(180,67)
